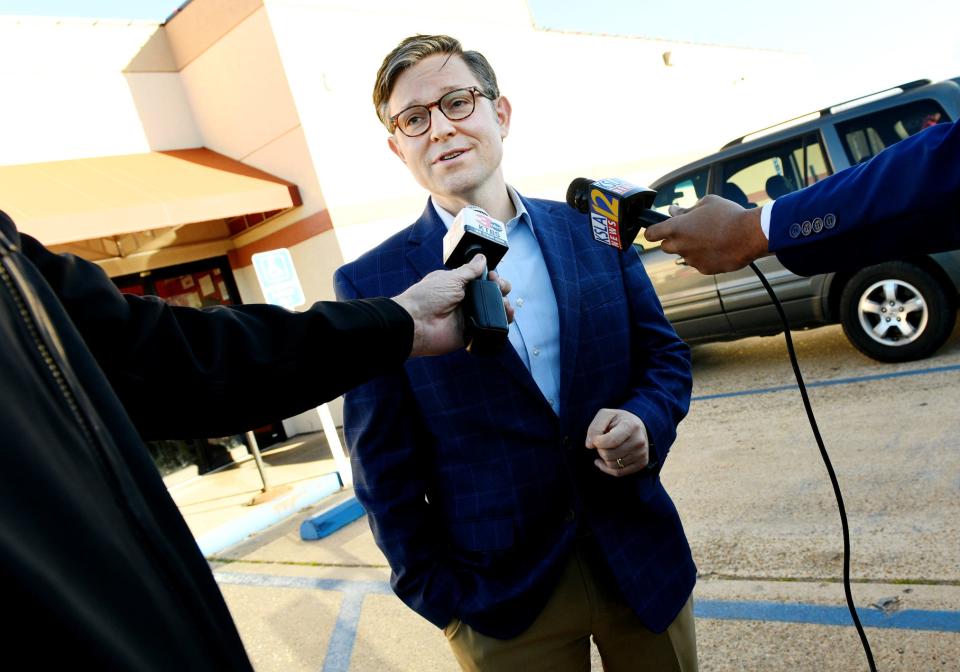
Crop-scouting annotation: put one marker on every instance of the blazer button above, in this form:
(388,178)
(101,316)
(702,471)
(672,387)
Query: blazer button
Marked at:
(570,517)
(565,442)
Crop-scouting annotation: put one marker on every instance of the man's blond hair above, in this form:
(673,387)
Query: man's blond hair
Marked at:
(414,49)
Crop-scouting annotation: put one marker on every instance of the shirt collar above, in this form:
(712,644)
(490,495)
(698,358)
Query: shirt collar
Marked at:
(447,218)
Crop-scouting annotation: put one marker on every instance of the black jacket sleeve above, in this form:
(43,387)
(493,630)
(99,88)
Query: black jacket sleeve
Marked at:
(187,372)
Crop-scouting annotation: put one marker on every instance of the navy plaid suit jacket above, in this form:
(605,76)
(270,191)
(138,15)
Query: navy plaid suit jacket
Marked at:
(475,490)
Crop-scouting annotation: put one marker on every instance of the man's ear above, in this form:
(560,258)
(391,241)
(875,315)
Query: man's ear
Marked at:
(504,110)
(395,148)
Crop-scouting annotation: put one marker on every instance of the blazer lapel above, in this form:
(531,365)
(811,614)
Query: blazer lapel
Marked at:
(556,244)
(425,244)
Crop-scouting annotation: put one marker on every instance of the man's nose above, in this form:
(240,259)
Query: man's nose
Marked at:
(440,126)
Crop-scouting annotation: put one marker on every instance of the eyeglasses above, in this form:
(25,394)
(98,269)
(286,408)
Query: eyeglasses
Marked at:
(455,105)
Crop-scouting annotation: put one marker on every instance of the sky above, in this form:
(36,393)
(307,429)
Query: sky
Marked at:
(893,40)
(831,26)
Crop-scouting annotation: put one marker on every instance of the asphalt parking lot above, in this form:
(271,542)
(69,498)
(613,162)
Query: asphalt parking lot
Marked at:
(761,515)
(759,511)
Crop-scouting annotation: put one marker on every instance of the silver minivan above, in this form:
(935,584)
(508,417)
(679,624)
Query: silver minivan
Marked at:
(765,165)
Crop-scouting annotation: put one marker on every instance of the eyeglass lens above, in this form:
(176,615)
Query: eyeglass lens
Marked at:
(455,106)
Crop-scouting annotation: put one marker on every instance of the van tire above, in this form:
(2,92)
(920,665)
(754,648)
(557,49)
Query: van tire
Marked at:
(896,312)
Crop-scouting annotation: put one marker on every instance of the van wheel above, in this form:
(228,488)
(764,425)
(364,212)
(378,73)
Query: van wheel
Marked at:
(896,312)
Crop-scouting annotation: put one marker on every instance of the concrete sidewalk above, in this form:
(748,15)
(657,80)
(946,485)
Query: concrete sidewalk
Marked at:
(327,605)
(224,507)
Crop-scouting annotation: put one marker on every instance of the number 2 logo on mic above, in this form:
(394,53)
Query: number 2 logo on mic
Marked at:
(604,219)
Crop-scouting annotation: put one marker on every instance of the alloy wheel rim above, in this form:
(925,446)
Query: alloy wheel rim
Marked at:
(893,312)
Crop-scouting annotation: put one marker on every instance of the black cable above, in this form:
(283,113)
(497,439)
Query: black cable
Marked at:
(827,463)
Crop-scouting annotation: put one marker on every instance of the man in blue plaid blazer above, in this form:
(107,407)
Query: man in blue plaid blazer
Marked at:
(517,496)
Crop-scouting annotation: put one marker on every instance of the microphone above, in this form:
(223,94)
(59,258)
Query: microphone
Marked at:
(485,320)
(618,209)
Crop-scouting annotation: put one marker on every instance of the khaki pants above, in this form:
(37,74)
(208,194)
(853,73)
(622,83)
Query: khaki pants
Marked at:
(559,640)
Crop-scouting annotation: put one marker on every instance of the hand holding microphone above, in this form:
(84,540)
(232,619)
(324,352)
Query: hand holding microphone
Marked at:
(714,236)
(618,209)
(472,233)
(434,304)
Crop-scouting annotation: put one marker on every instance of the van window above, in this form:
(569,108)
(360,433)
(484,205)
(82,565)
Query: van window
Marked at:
(685,191)
(766,174)
(816,162)
(866,136)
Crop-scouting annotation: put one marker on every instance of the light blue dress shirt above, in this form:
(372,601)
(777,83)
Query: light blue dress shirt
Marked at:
(535,330)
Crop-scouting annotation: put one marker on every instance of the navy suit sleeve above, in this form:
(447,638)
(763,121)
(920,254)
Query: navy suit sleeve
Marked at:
(229,368)
(390,458)
(661,369)
(904,201)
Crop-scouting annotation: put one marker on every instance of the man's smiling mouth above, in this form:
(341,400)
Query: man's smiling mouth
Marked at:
(451,155)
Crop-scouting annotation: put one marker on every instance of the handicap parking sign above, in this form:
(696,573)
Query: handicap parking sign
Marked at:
(278,278)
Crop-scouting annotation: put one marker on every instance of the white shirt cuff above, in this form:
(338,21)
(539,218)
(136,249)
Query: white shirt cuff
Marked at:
(765,214)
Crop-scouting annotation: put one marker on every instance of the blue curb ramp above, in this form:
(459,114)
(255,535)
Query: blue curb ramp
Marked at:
(328,522)
(264,515)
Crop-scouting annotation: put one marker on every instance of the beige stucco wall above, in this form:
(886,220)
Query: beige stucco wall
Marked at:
(243,107)
(80,88)
(66,95)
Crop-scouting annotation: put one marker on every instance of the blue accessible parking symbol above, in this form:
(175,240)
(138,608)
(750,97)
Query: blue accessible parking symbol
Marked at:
(278,278)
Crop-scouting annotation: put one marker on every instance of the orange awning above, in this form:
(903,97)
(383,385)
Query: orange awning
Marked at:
(65,201)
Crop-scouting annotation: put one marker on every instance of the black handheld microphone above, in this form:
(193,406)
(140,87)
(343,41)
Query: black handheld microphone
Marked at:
(618,209)
(485,321)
